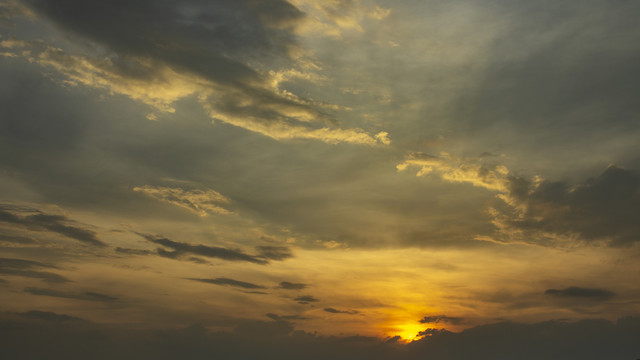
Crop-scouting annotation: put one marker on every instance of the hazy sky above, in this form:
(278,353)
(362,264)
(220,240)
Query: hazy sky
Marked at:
(320,179)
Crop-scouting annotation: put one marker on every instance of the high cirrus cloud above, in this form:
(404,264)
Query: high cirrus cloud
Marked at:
(231,55)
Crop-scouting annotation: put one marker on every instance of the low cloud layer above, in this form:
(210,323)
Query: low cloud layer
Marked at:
(66,337)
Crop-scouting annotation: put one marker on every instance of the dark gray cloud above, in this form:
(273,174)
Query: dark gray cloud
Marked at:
(291,286)
(25,268)
(179,249)
(54,223)
(211,38)
(89,296)
(581,293)
(305,299)
(441,318)
(274,252)
(432,332)
(67,337)
(17,239)
(564,74)
(604,208)
(128,251)
(49,316)
(285,317)
(336,311)
(230,282)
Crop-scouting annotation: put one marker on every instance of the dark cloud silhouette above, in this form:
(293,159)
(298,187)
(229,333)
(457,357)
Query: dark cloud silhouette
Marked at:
(581,293)
(336,311)
(128,251)
(604,208)
(291,286)
(24,268)
(432,332)
(60,336)
(285,317)
(180,249)
(440,318)
(305,299)
(230,282)
(54,223)
(89,296)
(274,252)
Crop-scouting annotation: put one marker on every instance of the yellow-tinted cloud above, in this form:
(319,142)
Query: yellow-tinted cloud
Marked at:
(202,202)
(261,108)
(459,170)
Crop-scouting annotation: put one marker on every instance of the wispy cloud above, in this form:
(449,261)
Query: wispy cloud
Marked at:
(25,268)
(158,71)
(39,221)
(230,282)
(180,248)
(88,296)
(202,202)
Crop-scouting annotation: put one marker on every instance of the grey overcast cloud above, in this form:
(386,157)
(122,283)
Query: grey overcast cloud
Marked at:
(345,179)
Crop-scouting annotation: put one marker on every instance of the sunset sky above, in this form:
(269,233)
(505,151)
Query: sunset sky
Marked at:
(188,179)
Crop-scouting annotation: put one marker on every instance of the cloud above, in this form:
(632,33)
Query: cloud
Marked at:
(285,317)
(88,296)
(336,311)
(278,339)
(54,223)
(202,250)
(441,318)
(291,286)
(202,202)
(274,252)
(305,299)
(197,50)
(452,169)
(230,282)
(546,212)
(581,293)
(24,268)
(17,239)
(133,251)
(603,208)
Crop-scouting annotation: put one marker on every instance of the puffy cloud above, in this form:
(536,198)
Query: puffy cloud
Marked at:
(546,212)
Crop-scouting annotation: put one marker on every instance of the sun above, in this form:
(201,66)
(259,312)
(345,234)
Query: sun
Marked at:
(408,332)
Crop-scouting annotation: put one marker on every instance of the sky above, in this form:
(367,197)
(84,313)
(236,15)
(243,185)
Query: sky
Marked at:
(340,179)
